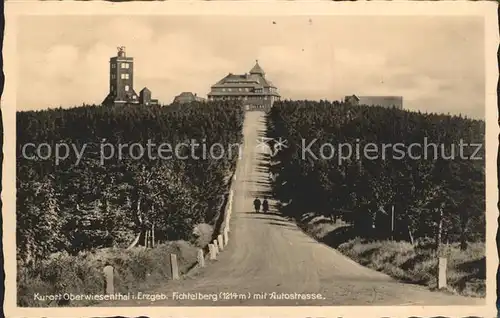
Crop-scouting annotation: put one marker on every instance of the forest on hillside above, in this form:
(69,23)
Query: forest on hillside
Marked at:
(83,203)
(434,197)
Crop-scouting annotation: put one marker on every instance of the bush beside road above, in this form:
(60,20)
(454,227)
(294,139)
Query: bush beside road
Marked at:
(135,269)
(417,264)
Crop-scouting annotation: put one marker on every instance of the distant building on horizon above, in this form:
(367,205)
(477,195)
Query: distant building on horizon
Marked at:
(188,97)
(253,89)
(384,101)
(121,82)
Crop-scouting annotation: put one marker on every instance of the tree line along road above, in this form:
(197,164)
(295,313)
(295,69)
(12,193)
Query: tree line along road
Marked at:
(268,254)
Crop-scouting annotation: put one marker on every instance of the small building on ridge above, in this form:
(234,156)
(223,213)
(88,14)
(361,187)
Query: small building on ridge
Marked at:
(188,97)
(384,101)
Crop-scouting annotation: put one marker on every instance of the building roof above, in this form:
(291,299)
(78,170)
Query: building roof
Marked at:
(244,80)
(145,89)
(237,93)
(251,82)
(186,94)
(352,96)
(235,80)
(255,78)
(381,100)
(257,69)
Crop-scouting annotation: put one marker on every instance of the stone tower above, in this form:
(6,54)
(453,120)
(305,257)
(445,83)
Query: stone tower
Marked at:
(121,80)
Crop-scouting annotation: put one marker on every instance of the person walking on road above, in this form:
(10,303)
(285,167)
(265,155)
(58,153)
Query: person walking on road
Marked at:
(265,206)
(256,204)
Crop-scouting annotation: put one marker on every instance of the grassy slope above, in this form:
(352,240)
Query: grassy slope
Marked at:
(466,269)
(134,270)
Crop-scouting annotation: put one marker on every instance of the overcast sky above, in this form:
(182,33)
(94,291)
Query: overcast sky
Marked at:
(435,63)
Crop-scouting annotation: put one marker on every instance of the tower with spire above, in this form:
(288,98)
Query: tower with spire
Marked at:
(252,88)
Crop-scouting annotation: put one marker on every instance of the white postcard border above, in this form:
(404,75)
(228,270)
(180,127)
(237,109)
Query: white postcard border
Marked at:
(13,9)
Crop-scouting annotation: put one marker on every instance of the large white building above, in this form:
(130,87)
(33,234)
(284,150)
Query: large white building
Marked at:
(253,89)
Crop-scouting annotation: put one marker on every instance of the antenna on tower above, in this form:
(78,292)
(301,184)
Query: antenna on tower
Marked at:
(121,51)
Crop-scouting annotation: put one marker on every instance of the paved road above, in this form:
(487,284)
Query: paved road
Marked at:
(267,253)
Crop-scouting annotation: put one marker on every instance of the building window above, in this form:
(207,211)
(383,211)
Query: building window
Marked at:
(125,76)
(125,65)
(134,97)
(112,88)
(246,98)
(240,89)
(229,89)
(113,65)
(126,88)
(247,89)
(223,89)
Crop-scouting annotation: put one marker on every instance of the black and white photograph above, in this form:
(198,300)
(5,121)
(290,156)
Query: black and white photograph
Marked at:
(281,159)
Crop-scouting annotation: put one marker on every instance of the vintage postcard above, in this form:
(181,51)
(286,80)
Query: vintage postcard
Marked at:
(252,159)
